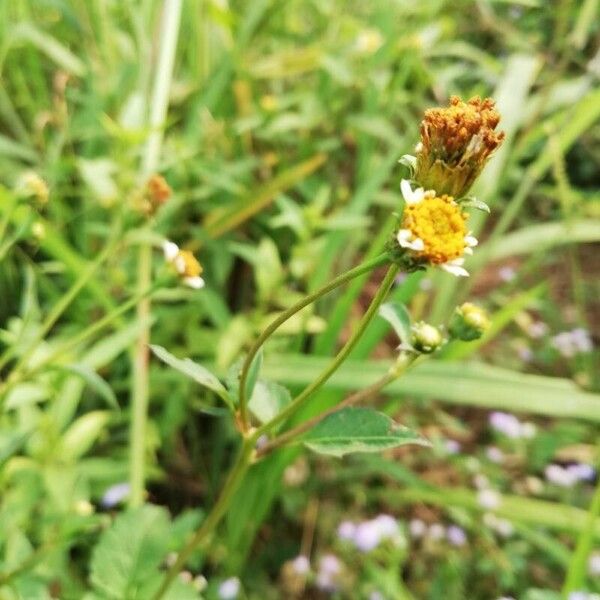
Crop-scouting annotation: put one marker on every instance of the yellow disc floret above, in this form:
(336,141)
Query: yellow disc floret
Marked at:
(187,265)
(441,225)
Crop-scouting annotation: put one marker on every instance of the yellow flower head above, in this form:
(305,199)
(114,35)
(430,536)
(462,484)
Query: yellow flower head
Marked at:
(456,142)
(185,263)
(434,229)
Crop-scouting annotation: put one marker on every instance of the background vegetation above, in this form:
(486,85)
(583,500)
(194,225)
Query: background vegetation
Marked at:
(285,125)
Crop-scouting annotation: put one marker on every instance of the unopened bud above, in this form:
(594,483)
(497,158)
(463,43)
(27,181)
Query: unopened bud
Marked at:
(469,322)
(426,337)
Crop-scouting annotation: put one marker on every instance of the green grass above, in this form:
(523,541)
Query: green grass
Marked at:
(284,124)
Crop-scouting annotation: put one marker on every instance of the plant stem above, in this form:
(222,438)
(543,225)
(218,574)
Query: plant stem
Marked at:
(394,373)
(284,316)
(299,400)
(234,479)
(158,111)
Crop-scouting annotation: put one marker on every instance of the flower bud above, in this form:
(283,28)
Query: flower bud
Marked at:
(469,322)
(426,337)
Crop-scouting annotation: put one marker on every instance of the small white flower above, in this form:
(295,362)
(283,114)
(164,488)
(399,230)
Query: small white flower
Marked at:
(417,528)
(411,197)
(489,499)
(229,589)
(436,532)
(455,267)
(594,564)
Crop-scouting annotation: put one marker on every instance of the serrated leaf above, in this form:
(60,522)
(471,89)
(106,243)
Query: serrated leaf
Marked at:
(268,399)
(471,202)
(359,430)
(194,371)
(397,315)
(125,562)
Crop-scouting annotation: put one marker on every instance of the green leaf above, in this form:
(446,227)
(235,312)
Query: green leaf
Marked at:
(268,399)
(194,371)
(96,382)
(82,434)
(397,315)
(472,202)
(125,562)
(359,430)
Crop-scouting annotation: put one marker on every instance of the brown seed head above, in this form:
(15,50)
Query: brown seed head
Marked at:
(456,142)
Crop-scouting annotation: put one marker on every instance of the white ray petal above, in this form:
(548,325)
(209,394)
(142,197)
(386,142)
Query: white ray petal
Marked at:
(170,250)
(194,282)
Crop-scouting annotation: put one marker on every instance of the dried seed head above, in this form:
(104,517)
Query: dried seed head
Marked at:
(456,142)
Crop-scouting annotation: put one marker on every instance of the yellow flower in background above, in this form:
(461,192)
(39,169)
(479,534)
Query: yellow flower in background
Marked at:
(434,230)
(185,263)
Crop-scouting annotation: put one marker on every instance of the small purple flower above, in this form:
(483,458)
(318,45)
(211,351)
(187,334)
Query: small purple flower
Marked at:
(301,565)
(229,589)
(494,454)
(456,535)
(570,343)
(329,569)
(452,446)
(506,424)
(367,536)
(537,329)
(507,273)
(346,530)
(582,471)
(417,528)
(560,476)
(115,494)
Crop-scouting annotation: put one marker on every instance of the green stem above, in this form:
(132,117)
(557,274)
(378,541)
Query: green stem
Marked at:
(284,316)
(299,400)
(158,111)
(234,479)
(59,308)
(82,336)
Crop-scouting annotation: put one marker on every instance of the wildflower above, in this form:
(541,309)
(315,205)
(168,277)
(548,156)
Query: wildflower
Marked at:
(185,263)
(560,476)
(469,322)
(571,343)
(115,495)
(502,527)
(417,528)
(330,569)
(583,471)
(452,446)
(426,338)
(368,41)
(434,230)
(489,499)
(494,454)
(346,530)
(507,274)
(200,583)
(32,185)
(509,425)
(537,329)
(229,589)
(301,565)
(456,535)
(456,142)
(436,532)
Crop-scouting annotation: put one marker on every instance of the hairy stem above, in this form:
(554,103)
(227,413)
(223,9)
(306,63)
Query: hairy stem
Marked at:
(299,400)
(284,316)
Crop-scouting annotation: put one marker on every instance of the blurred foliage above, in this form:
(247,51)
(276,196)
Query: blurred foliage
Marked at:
(286,122)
